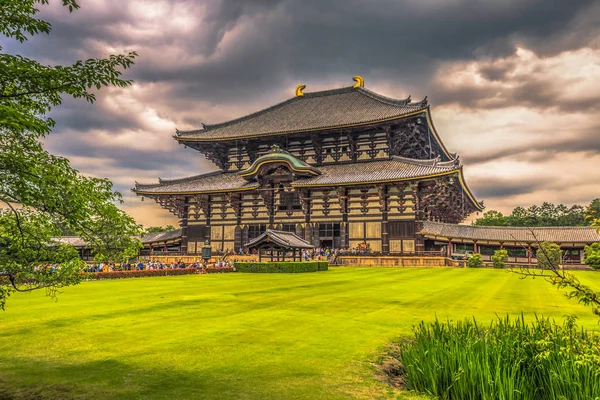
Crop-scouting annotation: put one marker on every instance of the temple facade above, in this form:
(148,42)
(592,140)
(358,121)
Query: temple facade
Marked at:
(340,168)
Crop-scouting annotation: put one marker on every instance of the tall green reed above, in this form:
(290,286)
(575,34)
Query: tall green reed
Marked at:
(508,359)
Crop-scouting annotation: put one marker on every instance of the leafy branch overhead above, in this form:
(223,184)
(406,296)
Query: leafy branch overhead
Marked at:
(41,193)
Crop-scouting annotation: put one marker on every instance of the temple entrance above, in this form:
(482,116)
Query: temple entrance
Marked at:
(329,235)
(327,243)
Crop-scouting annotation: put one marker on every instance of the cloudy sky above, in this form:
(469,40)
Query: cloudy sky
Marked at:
(514,84)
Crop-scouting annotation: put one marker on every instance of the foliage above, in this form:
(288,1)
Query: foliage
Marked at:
(323,265)
(28,260)
(545,215)
(548,255)
(96,276)
(153,229)
(509,359)
(491,218)
(38,187)
(592,255)
(277,267)
(549,260)
(499,258)
(592,213)
(475,261)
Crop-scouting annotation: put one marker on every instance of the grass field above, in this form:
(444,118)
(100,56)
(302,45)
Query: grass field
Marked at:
(244,336)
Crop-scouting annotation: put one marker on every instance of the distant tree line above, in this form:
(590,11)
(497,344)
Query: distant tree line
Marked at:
(547,214)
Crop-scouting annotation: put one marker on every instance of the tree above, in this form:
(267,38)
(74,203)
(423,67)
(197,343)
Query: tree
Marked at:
(545,215)
(475,261)
(592,213)
(550,270)
(548,255)
(592,255)
(491,218)
(153,229)
(42,194)
(500,258)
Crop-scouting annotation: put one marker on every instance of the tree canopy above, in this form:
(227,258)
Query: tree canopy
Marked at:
(547,214)
(41,194)
(153,229)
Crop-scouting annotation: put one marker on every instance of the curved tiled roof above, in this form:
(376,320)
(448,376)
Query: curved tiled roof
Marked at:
(205,183)
(153,237)
(310,112)
(280,238)
(161,236)
(398,168)
(557,234)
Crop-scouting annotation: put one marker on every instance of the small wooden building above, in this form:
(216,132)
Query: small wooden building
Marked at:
(278,244)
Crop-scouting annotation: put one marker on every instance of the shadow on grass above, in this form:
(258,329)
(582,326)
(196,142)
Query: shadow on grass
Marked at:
(103,379)
(22,379)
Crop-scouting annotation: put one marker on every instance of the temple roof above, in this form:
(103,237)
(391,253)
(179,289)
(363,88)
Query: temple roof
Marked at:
(314,111)
(153,237)
(278,155)
(521,235)
(396,169)
(204,183)
(286,240)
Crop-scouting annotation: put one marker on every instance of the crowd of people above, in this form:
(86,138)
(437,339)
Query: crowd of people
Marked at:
(155,265)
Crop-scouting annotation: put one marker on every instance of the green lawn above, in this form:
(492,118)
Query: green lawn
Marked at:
(244,336)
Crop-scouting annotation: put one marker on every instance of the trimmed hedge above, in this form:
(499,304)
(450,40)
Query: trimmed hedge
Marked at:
(281,267)
(323,265)
(211,270)
(91,276)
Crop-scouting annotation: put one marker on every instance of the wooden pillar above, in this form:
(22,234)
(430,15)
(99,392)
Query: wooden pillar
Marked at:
(529,253)
(316,238)
(474,247)
(385,239)
(449,250)
(184,226)
(308,211)
(271,207)
(209,211)
(344,225)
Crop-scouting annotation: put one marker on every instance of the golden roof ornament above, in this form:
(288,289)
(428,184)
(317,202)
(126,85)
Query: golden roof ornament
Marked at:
(299,90)
(360,82)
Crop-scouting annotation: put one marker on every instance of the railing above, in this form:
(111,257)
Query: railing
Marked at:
(393,253)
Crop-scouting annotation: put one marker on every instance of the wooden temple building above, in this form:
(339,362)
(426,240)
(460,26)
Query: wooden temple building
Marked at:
(339,168)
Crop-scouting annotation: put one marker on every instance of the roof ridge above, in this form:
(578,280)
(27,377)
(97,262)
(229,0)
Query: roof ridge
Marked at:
(207,127)
(189,178)
(511,227)
(387,100)
(321,93)
(431,162)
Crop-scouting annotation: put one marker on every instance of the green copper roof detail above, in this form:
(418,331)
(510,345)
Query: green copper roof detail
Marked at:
(278,155)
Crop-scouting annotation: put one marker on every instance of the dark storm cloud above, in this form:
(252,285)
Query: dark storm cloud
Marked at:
(587,143)
(215,60)
(499,188)
(396,41)
(82,117)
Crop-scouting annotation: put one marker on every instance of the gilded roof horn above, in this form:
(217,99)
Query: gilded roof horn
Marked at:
(299,90)
(360,82)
